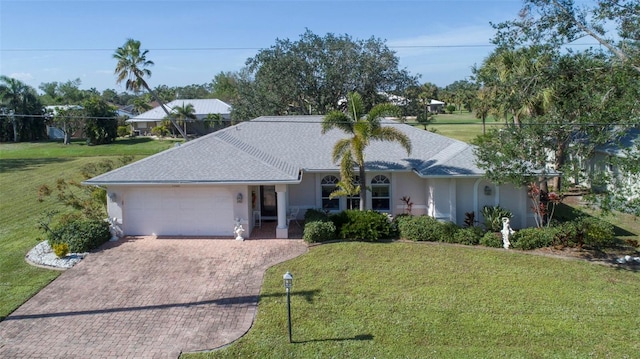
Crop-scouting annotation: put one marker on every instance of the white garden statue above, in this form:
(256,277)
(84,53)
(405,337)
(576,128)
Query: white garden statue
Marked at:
(506,232)
(238,230)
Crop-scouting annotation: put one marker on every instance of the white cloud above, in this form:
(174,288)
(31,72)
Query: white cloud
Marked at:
(477,36)
(22,76)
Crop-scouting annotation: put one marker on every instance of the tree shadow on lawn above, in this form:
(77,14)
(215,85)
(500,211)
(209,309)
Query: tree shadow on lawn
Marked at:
(25,164)
(566,212)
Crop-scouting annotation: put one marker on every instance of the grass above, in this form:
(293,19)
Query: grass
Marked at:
(23,168)
(139,146)
(408,300)
(463,126)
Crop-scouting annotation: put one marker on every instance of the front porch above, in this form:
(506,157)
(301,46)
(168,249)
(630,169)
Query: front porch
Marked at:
(268,230)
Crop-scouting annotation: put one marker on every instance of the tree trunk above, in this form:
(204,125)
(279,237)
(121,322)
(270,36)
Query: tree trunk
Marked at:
(363,187)
(173,120)
(14,122)
(559,162)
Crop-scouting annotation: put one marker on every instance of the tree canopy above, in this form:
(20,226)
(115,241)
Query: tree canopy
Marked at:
(311,75)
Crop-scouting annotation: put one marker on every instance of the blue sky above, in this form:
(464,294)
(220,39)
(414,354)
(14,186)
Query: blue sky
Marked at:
(191,41)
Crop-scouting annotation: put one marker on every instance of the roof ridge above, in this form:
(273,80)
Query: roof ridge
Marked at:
(267,158)
(449,152)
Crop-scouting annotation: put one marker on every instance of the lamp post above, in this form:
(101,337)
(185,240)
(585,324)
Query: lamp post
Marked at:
(288,283)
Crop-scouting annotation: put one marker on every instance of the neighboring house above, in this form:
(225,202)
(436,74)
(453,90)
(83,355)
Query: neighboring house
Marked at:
(270,166)
(623,183)
(436,106)
(145,122)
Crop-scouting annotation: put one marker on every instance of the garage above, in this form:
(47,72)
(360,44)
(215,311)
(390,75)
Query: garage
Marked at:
(178,211)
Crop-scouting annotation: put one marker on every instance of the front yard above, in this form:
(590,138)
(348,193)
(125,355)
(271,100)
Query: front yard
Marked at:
(426,300)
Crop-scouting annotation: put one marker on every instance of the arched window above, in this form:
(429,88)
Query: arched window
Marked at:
(328,185)
(380,196)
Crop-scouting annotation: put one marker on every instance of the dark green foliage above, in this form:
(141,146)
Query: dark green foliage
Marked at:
(365,226)
(319,231)
(493,217)
(81,235)
(451,109)
(532,238)
(311,74)
(447,231)
(491,239)
(469,236)
(425,228)
(101,126)
(315,215)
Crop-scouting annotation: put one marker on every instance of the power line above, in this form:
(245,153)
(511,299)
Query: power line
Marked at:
(493,123)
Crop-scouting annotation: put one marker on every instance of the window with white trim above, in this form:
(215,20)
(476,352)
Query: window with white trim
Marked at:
(380,193)
(328,185)
(353,201)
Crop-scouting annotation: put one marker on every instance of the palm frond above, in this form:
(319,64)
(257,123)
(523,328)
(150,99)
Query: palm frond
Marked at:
(392,134)
(337,119)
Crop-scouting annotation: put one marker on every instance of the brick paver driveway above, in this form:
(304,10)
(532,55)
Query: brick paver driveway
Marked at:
(146,298)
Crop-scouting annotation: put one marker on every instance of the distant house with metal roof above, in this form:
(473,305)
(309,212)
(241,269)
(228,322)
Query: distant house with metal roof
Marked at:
(143,123)
(271,166)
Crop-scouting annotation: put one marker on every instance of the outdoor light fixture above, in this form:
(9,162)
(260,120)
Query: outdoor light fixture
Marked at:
(288,283)
(112,196)
(487,190)
(239,198)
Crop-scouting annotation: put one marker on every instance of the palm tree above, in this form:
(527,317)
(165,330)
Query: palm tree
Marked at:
(19,98)
(184,113)
(132,67)
(362,129)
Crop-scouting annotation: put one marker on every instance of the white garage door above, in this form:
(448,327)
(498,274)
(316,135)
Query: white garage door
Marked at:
(178,212)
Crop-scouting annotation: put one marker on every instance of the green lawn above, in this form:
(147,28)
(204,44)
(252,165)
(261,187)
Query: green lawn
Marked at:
(23,168)
(409,300)
(463,126)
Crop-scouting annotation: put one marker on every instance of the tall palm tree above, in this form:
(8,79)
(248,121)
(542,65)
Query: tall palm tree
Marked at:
(184,113)
(19,98)
(362,129)
(132,67)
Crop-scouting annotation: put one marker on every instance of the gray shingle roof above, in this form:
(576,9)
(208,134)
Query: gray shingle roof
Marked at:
(202,107)
(276,149)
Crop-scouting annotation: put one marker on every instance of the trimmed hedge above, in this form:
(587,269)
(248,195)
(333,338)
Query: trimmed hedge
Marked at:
(532,238)
(491,239)
(470,236)
(363,225)
(319,231)
(80,235)
(315,215)
(596,233)
(425,228)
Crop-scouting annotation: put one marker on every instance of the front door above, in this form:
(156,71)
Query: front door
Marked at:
(268,202)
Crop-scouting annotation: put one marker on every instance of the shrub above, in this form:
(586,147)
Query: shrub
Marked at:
(60,249)
(365,226)
(80,235)
(160,131)
(447,231)
(425,228)
(567,235)
(315,215)
(451,109)
(491,239)
(596,233)
(532,238)
(319,231)
(493,217)
(470,236)
(123,131)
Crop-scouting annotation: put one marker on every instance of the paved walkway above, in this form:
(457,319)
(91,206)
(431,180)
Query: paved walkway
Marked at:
(146,298)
